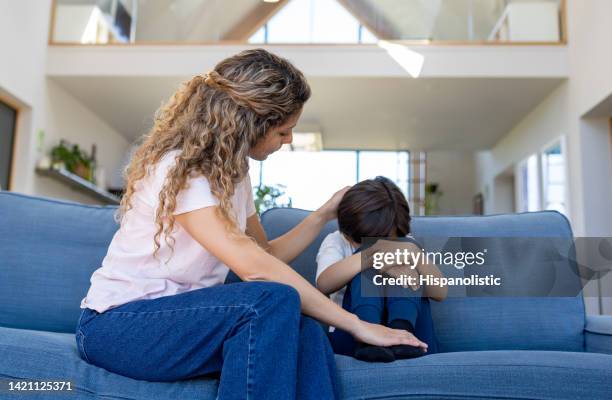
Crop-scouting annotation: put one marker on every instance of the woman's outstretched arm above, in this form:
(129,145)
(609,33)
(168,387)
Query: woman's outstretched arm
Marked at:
(292,243)
(250,262)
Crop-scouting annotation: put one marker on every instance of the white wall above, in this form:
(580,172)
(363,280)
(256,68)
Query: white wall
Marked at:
(43,104)
(455,174)
(545,123)
(22,72)
(23,41)
(563,112)
(590,82)
(319,60)
(67,119)
(504,194)
(590,34)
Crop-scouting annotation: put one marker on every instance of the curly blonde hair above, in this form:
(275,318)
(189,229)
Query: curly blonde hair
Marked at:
(214,119)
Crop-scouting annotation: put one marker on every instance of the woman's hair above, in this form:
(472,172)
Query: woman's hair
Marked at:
(214,119)
(374,208)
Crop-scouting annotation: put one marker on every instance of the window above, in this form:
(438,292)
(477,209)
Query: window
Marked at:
(542,180)
(309,178)
(529,185)
(553,178)
(393,165)
(295,23)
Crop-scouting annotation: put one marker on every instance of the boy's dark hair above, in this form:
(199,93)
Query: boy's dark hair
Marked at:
(374,208)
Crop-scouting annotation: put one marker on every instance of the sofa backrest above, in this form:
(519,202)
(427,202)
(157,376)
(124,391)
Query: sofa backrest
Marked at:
(478,323)
(49,250)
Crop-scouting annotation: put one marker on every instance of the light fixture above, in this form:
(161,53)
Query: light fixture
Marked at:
(271,1)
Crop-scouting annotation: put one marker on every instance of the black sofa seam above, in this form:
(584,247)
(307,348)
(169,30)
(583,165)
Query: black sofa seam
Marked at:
(598,333)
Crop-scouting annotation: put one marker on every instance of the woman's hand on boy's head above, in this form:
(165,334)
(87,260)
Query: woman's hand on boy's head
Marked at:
(330,208)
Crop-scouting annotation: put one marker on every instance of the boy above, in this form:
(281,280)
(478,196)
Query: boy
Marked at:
(376,208)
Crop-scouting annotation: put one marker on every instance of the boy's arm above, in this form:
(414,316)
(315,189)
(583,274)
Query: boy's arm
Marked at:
(434,292)
(437,293)
(337,275)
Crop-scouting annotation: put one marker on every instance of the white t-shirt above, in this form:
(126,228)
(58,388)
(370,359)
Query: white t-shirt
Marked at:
(129,271)
(334,248)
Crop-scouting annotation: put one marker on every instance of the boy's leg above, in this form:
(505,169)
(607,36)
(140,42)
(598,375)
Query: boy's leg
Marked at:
(402,303)
(367,302)
(424,329)
(414,308)
(341,341)
(368,307)
(248,331)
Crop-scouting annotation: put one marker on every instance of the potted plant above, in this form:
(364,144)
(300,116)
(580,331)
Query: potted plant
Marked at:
(268,196)
(72,159)
(432,197)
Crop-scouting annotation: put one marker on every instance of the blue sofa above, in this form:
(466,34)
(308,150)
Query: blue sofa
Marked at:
(506,348)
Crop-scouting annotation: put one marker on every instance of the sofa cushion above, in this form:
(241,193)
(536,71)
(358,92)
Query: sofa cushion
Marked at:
(481,374)
(49,249)
(28,354)
(39,355)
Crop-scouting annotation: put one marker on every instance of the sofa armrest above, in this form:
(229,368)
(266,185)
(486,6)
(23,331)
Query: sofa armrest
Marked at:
(598,334)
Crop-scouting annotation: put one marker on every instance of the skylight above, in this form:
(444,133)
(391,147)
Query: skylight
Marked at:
(313,21)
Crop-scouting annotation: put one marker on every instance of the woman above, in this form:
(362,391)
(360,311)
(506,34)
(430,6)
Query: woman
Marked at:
(157,308)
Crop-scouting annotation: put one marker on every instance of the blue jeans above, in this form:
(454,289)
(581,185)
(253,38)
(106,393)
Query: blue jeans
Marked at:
(382,305)
(251,333)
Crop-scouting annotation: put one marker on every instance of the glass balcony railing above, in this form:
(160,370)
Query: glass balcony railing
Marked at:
(306,21)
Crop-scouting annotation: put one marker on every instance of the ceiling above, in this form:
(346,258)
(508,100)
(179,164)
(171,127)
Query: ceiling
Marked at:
(360,113)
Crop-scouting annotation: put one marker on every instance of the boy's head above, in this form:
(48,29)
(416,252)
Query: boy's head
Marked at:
(374,208)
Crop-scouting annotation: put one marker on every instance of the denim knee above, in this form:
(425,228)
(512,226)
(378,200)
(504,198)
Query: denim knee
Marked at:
(312,327)
(280,295)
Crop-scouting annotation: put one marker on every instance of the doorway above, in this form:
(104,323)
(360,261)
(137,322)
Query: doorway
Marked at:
(8,118)
(504,192)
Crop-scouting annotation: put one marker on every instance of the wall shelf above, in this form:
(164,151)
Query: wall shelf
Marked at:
(80,184)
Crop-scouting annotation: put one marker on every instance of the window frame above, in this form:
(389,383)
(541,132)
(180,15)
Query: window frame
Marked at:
(541,184)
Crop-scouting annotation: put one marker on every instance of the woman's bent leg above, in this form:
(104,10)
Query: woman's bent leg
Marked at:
(247,331)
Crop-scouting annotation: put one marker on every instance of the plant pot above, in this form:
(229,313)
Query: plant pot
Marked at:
(82,170)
